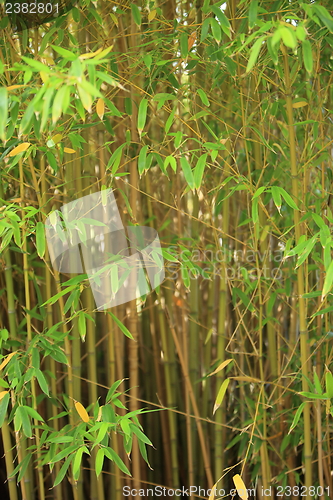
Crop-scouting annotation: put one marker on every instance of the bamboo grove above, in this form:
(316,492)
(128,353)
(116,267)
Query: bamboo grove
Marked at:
(211,123)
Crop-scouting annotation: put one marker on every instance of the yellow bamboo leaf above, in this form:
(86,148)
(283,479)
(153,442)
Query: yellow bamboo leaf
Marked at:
(3,394)
(49,60)
(221,394)
(21,147)
(89,55)
(299,104)
(220,367)
(69,150)
(152,15)
(114,19)
(82,412)
(57,138)
(6,361)
(99,416)
(247,379)
(100,107)
(289,25)
(14,87)
(240,487)
(44,76)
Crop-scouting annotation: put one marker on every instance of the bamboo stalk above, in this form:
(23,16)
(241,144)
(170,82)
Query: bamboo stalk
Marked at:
(5,429)
(300,279)
(193,401)
(40,483)
(49,315)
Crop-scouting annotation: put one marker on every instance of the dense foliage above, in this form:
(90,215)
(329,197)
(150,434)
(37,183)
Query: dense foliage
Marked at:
(211,122)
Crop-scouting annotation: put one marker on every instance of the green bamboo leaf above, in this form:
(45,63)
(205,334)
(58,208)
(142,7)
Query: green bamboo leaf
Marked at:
(253,11)
(61,439)
(142,159)
(288,37)
(272,51)
(99,461)
(143,452)
(85,97)
(54,299)
(254,53)
(66,54)
(301,33)
(78,460)
(328,280)
(38,66)
(266,144)
(168,256)
(25,462)
(17,421)
(45,39)
(329,384)
(324,16)
(307,56)
(63,453)
(63,470)
(26,121)
(216,29)
(26,424)
(46,107)
(104,426)
(224,21)
(140,435)
(61,102)
(297,417)
(187,172)
(169,121)
(112,455)
(307,249)
(312,395)
(35,362)
(297,250)
(288,199)
(136,14)
(259,191)
(276,197)
(89,88)
(244,298)
(82,325)
(320,223)
(203,97)
(142,115)
(114,161)
(3,408)
(40,239)
(311,295)
(205,29)
(3,112)
(42,382)
(199,170)
(221,394)
(172,161)
(275,39)
(121,326)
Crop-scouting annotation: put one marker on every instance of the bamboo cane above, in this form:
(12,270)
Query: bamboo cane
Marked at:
(300,279)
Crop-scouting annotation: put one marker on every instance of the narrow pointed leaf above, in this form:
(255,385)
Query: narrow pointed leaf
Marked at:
(221,394)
